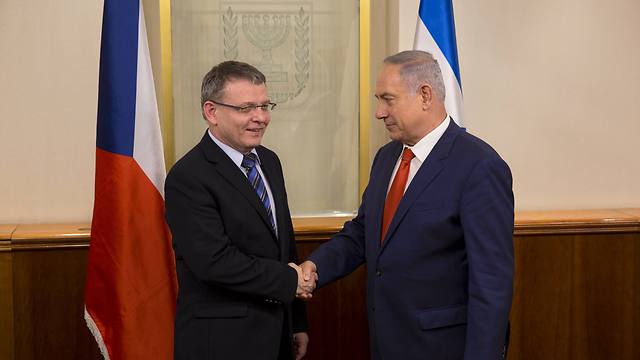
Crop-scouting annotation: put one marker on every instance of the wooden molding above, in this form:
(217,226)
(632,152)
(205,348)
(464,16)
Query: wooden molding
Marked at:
(50,236)
(577,222)
(6,231)
(315,229)
(318,228)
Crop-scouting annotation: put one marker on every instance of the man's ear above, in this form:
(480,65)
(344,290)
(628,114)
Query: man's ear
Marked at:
(209,112)
(426,95)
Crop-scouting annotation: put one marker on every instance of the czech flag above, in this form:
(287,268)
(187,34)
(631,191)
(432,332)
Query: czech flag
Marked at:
(131,286)
(436,33)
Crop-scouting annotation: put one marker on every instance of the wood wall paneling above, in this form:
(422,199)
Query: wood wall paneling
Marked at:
(6,293)
(337,316)
(577,285)
(49,265)
(49,310)
(539,304)
(337,312)
(577,289)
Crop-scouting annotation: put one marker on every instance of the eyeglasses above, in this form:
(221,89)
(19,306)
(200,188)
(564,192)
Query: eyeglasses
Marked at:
(248,108)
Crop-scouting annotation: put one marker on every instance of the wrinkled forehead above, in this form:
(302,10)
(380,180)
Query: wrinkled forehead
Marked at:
(241,90)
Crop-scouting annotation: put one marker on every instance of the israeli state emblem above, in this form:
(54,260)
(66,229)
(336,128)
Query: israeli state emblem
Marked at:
(275,38)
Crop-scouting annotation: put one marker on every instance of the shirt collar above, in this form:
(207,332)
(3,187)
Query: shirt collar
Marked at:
(235,155)
(423,147)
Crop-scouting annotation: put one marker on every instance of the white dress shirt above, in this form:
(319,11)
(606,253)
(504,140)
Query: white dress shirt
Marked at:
(421,150)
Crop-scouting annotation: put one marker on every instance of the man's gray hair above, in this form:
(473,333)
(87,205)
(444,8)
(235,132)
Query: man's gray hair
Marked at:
(214,81)
(418,68)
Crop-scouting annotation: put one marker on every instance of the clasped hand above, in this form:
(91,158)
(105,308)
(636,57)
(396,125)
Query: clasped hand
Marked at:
(307,278)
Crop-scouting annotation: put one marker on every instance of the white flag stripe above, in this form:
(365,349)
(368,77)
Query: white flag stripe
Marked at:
(453,99)
(147,144)
(93,328)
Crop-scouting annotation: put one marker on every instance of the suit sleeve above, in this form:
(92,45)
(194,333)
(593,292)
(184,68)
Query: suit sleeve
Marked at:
(343,253)
(346,250)
(487,218)
(199,238)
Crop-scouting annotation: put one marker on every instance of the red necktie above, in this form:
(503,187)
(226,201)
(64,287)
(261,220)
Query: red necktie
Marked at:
(396,191)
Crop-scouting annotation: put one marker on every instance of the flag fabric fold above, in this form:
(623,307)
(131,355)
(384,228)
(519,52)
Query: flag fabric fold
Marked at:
(131,287)
(436,33)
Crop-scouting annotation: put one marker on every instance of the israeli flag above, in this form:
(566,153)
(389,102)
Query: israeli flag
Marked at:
(436,33)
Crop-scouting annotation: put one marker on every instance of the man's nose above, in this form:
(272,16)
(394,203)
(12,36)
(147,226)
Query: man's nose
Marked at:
(260,115)
(381,111)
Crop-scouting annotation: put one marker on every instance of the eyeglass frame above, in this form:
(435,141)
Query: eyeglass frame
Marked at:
(248,108)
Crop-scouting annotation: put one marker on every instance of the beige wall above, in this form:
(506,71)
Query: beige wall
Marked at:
(48,93)
(551,84)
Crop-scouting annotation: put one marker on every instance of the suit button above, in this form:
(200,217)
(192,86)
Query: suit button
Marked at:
(378,272)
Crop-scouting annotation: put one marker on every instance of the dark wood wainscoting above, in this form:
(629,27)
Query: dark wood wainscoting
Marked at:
(45,287)
(6,296)
(577,286)
(337,312)
(577,290)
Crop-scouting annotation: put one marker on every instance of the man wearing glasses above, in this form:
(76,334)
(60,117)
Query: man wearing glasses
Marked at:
(232,234)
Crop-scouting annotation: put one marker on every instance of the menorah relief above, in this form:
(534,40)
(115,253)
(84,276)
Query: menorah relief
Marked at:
(267,32)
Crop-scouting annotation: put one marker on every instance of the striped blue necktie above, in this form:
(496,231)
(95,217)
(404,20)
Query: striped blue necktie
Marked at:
(249,163)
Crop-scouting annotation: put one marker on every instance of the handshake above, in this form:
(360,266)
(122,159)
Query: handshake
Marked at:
(307,278)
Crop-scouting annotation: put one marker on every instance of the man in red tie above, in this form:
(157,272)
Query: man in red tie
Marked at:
(435,228)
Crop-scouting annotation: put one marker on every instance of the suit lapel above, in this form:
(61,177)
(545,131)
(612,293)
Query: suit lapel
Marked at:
(378,189)
(429,170)
(234,176)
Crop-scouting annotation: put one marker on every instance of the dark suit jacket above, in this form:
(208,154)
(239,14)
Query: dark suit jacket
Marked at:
(236,291)
(440,285)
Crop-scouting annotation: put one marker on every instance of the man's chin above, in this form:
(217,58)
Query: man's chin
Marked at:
(393,135)
(254,143)
(253,139)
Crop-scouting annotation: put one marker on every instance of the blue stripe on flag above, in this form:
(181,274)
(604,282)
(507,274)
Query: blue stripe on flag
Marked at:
(118,74)
(437,16)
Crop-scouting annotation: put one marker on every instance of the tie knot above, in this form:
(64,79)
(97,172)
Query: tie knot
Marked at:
(407,154)
(249,161)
